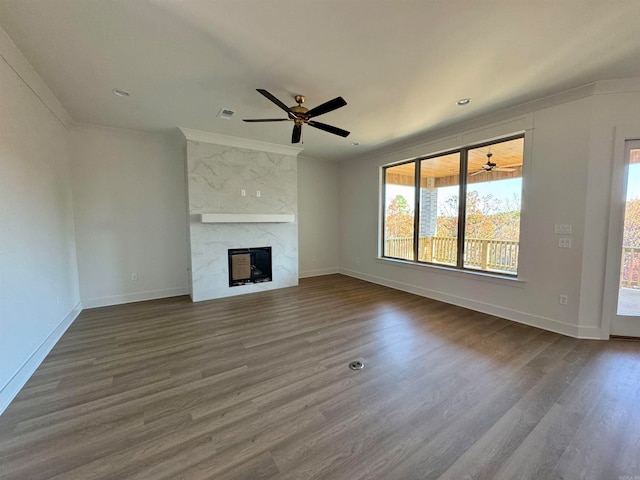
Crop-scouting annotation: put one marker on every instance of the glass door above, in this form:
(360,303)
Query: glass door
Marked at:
(626,321)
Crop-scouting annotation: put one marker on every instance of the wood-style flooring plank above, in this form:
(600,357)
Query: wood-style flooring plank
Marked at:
(258,387)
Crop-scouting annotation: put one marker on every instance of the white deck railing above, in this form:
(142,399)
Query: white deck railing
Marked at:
(630,268)
(492,255)
(484,254)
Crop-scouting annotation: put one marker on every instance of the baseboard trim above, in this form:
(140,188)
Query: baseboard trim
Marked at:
(544,323)
(133,297)
(13,386)
(317,273)
(591,333)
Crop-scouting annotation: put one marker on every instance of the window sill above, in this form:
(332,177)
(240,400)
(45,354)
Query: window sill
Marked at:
(466,274)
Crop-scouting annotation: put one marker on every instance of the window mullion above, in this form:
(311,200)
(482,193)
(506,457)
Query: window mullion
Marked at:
(383,213)
(416,212)
(462,207)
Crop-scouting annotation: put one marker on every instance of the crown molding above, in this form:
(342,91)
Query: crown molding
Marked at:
(19,64)
(621,85)
(219,139)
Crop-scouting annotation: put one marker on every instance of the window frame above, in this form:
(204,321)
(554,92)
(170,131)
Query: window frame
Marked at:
(462,207)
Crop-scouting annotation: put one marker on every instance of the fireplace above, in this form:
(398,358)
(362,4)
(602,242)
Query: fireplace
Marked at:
(249,265)
(218,168)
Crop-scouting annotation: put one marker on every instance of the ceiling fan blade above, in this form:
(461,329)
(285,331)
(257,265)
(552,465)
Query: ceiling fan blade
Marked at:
(327,107)
(273,99)
(329,128)
(504,169)
(265,119)
(297,133)
(511,165)
(477,173)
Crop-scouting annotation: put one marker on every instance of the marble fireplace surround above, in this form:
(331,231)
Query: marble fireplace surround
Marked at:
(218,169)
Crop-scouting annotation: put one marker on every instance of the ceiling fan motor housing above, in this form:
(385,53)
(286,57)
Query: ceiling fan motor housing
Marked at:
(299,110)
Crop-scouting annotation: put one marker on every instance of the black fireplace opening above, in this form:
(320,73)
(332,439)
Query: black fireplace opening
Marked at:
(249,265)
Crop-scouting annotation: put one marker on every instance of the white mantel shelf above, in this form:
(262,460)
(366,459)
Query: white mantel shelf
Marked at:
(247,218)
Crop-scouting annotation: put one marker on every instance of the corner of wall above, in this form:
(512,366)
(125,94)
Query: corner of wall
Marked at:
(15,384)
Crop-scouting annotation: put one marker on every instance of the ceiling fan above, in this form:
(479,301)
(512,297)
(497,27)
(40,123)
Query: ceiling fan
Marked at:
(301,115)
(493,167)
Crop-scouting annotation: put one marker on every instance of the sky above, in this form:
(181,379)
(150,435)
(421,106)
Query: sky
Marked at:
(501,189)
(633,181)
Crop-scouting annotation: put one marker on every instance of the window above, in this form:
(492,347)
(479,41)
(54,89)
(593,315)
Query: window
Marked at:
(424,220)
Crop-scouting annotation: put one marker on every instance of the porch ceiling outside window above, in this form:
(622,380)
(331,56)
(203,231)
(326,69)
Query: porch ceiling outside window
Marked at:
(444,169)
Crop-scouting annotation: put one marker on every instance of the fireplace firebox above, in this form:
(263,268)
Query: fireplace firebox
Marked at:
(249,265)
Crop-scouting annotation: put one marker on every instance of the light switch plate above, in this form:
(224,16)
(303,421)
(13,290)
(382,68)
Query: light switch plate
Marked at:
(564,243)
(562,229)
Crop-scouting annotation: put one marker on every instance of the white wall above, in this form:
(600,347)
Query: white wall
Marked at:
(319,213)
(130,215)
(567,180)
(38,277)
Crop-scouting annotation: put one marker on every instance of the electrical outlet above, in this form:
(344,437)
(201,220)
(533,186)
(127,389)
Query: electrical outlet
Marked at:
(134,277)
(243,192)
(258,193)
(564,299)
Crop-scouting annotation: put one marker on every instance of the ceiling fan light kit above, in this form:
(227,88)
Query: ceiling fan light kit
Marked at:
(489,165)
(302,115)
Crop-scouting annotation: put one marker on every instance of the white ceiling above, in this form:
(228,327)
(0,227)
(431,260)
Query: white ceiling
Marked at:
(400,64)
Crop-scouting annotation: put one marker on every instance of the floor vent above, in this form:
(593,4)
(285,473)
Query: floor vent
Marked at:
(356,365)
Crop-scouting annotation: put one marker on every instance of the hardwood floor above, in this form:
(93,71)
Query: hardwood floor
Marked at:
(258,387)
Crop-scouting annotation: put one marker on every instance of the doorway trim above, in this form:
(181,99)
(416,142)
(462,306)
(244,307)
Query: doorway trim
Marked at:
(623,134)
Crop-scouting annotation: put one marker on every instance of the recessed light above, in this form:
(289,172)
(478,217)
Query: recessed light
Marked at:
(463,101)
(120,93)
(355,144)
